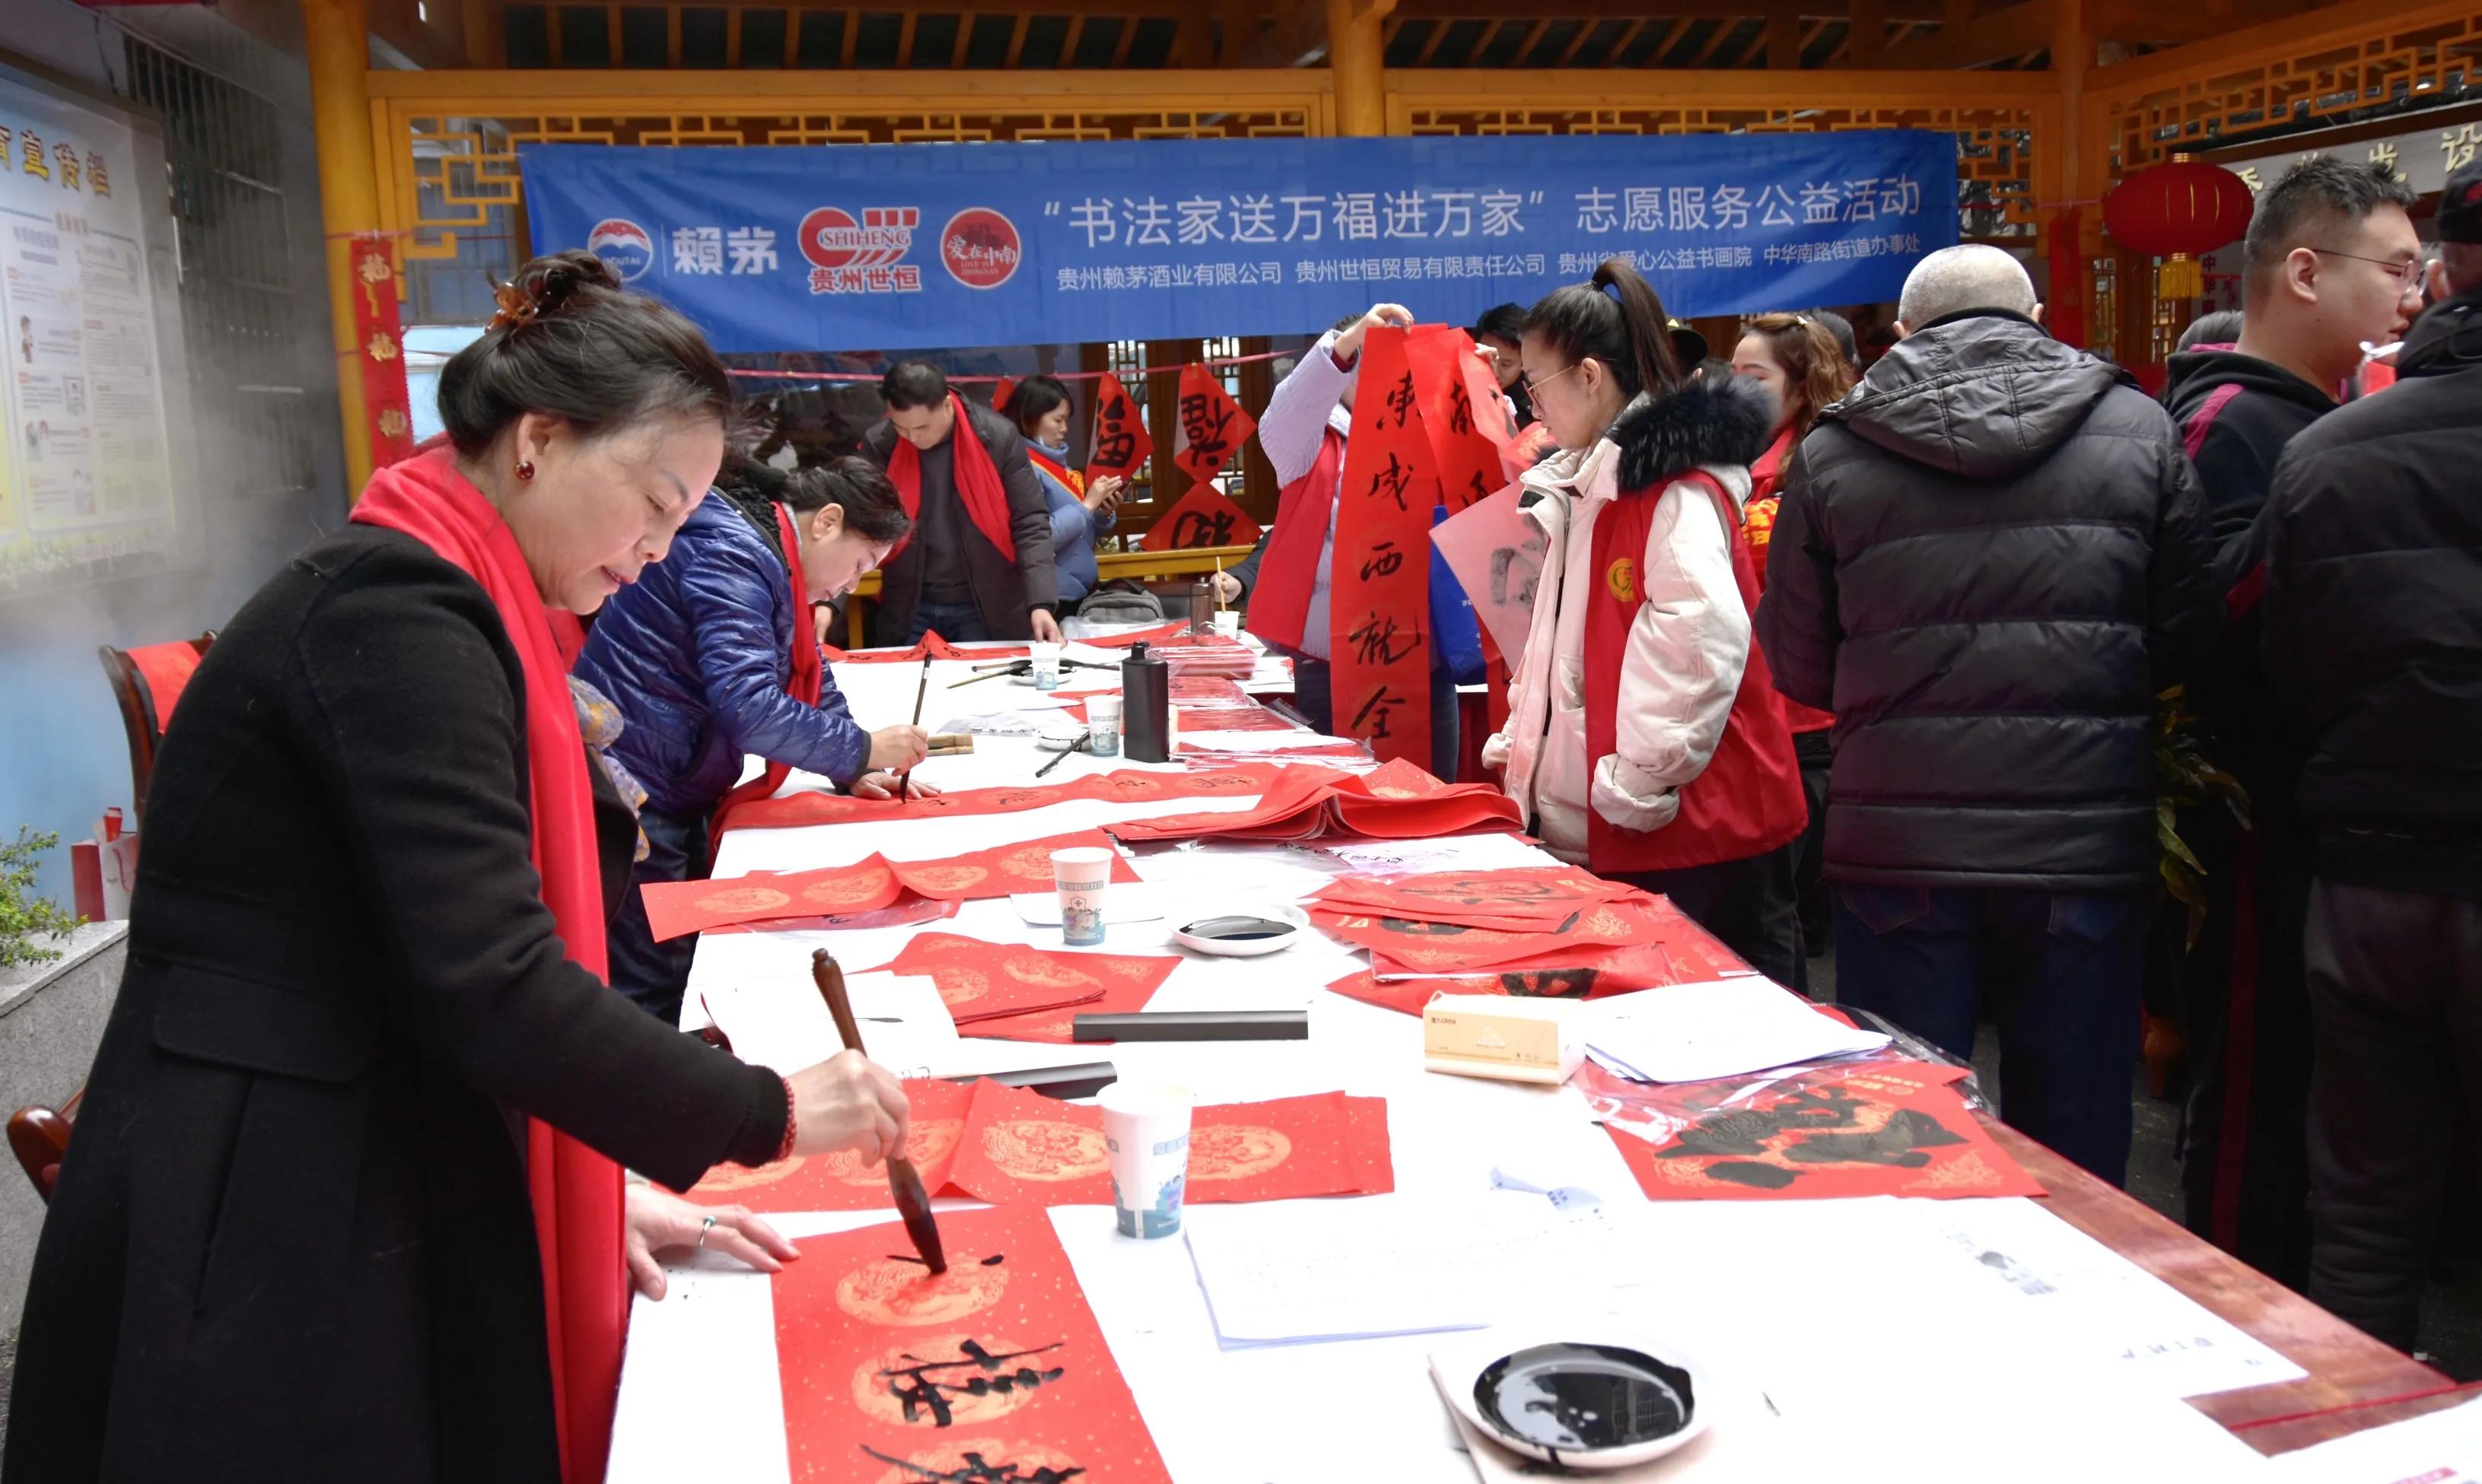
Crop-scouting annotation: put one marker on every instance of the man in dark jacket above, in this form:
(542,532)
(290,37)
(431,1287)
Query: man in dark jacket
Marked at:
(1987,561)
(979,563)
(2331,261)
(2374,635)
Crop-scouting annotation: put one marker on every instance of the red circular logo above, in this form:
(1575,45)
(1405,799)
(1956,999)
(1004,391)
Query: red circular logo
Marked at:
(981,247)
(831,238)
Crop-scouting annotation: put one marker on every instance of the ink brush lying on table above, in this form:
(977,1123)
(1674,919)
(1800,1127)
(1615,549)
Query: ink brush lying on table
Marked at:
(904,1182)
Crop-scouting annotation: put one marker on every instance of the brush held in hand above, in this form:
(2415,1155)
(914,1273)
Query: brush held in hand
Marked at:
(904,1182)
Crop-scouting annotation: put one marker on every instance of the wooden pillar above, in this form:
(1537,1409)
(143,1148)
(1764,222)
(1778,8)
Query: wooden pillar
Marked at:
(1357,55)
(338,41)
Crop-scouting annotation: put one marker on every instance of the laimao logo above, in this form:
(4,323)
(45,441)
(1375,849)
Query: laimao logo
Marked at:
(861,257)
(980,248)
(623,243)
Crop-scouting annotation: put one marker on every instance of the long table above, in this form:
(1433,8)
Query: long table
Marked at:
(700,1394)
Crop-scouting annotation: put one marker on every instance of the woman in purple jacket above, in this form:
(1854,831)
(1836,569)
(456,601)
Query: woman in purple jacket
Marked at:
(695,655)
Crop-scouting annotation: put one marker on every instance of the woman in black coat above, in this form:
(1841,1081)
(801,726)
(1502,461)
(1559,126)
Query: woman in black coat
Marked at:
(296,1234)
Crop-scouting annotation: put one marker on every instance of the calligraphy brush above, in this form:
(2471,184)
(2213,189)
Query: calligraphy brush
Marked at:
(1075,746)
(1218,586)
(919,691)
(904,1181)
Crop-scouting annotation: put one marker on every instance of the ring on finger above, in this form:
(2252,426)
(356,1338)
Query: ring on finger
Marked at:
(705,1226)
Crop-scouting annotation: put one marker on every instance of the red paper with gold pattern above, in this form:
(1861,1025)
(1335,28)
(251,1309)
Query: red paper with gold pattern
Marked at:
(1876,1128)
(1454,948)
(1401,800)
(1201,518)
(1442,357)
(1127,786)
(676,909)
(378,344)
(1379,589)
(842,1181)
(1673,951)
(1121,442)
(1013,991)
(1513,899)
(1213,426)
(993,1372)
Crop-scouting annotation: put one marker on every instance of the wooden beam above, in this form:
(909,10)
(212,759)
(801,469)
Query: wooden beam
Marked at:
(1194,43)
(1783,42)
(1868,36)
(1576,43)
(1120,48)
(965,37)
(1723,29)
(1298,39)
(732,37)
(905,39)
(1076,33)
(852,35)
(1431,43)
(1525,47)
(2009,33)
(1240,27)
(1627,38)
(672,36)
(1655,10)
(1664,44)
(1016,40)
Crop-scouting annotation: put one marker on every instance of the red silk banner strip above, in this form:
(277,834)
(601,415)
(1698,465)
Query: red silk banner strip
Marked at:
(677,908)
(1442,357)
(992,1372)
(1121,439)
(378,350)
(1129,786)
(1201,518)
(1379,585)
(1213,426)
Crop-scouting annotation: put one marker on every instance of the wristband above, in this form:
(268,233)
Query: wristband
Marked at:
(785,1151)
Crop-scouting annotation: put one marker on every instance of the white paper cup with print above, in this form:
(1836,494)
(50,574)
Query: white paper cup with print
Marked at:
(1103,725)
(1081,873)
(1228,622)
(1146,1132)
(1046,654)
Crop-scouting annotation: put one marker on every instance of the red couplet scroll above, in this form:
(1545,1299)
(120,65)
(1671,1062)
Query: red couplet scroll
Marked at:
(1446,369)
(1201,518)
(676,909)
(1213,425)
(1379,616)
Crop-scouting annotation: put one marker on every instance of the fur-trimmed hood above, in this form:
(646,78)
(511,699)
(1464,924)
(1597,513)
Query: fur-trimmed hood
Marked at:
(1725,420)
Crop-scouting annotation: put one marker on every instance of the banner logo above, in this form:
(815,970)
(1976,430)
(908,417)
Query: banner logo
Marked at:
(624,244)
(980,248)
(861,257)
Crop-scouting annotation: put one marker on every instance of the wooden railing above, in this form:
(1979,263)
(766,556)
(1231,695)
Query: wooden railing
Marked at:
(1140,566)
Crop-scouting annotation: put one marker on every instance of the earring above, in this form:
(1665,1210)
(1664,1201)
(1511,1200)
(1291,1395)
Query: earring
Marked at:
(525,468)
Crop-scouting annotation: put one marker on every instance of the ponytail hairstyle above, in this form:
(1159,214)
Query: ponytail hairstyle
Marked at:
(1625,328)
(1033,400)
(572,343)
(1814,368)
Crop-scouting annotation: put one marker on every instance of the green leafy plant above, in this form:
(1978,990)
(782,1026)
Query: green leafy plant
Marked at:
(24,915)
(2185,779)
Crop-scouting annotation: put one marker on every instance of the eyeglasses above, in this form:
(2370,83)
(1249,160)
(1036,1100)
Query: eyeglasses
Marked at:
(1534,387)
(2407,272)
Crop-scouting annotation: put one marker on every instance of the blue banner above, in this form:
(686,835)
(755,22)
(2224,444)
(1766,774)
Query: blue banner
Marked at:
(896,247)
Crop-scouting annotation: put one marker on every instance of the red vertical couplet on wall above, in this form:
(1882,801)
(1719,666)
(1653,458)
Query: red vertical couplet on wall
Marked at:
(1469,460)
(378,347)
(1379,591)
(1121,442)
(2068,303)
(1212,425)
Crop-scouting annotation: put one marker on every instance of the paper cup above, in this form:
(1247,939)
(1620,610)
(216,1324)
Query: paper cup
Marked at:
(1145,1131)
(1228,622)
(1045,655)
(1081,873)
(1103,725)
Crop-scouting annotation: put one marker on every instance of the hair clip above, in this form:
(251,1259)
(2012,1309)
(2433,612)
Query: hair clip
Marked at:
(516,307)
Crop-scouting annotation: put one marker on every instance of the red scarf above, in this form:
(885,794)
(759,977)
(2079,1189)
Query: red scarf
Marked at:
(1748,800)
(577,1192)
(1073,479)
(1279,604)
(1759,525)
(805,682)
(977,480)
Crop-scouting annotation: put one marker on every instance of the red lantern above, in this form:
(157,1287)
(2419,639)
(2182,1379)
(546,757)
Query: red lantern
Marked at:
(2175,210)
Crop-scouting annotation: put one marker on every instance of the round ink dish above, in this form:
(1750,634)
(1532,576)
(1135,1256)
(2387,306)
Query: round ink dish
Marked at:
(1585,1405)
(1245,933)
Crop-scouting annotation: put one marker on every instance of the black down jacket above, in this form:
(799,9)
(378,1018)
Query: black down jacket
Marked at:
(1989,558)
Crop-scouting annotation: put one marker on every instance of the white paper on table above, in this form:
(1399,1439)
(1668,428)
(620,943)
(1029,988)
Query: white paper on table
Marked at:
(1239,874)
(1294,1272)
(1697,1032)
(1124,902)
(2437,1447)
(782,1022)
(1454,852)
(2106,1306)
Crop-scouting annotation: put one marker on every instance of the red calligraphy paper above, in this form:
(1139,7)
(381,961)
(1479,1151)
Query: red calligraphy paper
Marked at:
(676,909)
(1397,801)
(1201,518)
(1127,786)
(1213,426)
(1879,1128)
(1468,459)
(1514,898)
(841,1180)
(993,1372)
(1003,869)
(1379,585)
(930,647)
(1021,1146)
(378,341)
(1454,948)
(1120,443)
(1017,993)
(1672,951)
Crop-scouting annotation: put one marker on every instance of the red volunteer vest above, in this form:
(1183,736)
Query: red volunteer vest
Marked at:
(1758,524)
(1749,800)
(1280,605)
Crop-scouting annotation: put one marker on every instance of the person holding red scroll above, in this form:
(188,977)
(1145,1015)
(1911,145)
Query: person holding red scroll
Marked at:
(1645,738)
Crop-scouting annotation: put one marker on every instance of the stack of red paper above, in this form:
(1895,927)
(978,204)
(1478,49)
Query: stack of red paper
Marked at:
(1395,801)
(1129,786)
(1011,992)
(676,908)
(1002,1144)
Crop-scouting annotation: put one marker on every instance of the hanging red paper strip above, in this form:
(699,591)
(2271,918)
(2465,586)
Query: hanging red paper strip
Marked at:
(1201,518)
(842,1181)
(1120,440)
(379,349)
(1002,391)
(1213,426)
(1877,1128)
(1127,786)
(677,908)
(1442,357)
(1378,588)
(993,1372)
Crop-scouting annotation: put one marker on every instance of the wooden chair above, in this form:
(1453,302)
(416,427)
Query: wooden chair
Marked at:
(147,683)
(40,1137)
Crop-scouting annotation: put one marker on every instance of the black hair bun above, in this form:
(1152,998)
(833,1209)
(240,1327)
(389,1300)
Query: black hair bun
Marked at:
(553,282)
